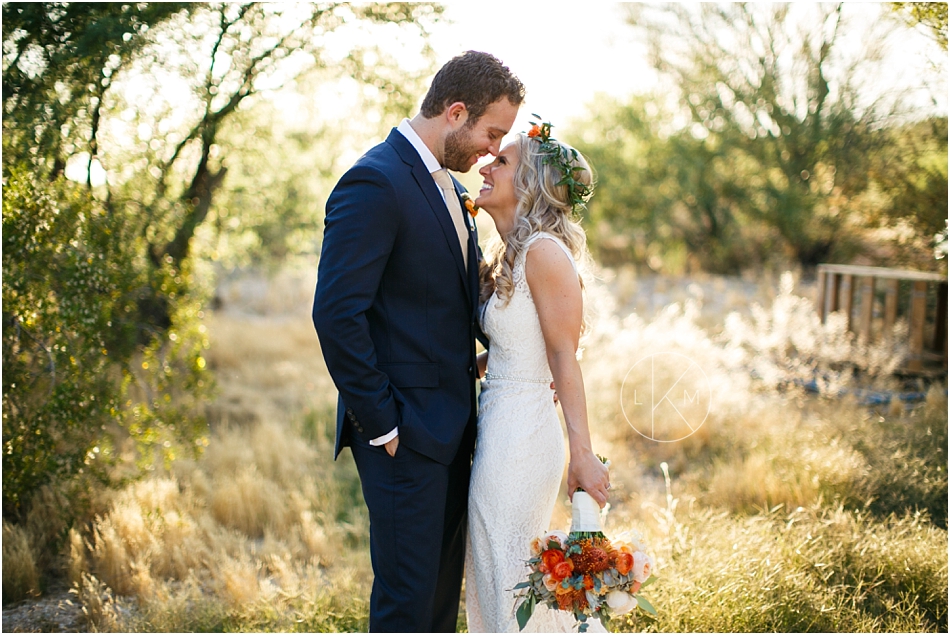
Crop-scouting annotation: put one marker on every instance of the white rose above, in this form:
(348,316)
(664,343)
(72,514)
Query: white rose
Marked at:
(621,602)
(537,546)
(556,535)
(642,566)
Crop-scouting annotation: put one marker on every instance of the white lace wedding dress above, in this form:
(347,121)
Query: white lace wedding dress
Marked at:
(518,465)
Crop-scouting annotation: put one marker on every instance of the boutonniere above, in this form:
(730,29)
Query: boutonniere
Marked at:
(470,204)
(471,207)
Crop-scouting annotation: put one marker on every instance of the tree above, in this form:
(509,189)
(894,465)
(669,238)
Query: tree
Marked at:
(767,145)
(102,339)
(665,197)
(932,15)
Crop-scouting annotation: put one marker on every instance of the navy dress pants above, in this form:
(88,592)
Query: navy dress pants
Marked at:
(417,512)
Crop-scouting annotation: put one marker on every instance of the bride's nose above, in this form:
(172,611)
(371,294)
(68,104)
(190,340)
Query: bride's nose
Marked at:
(485,169)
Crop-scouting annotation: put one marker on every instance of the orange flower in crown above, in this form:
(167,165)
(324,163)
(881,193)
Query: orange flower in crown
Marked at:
(565,159)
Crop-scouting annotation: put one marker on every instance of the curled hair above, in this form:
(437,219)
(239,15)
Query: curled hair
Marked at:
(475,79)
(543,206)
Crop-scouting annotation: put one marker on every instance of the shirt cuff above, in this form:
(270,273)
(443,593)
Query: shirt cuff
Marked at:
(386,438)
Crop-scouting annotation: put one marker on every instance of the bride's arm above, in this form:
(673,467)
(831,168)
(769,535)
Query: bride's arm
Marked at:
(557,297)
(481,360)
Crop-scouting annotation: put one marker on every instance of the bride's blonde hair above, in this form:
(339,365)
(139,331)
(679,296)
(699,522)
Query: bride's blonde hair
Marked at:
(543,206)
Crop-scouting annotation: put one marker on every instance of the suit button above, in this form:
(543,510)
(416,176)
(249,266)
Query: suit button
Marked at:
(359,428)
(469,369)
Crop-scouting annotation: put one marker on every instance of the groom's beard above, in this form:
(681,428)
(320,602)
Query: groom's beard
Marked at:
(460,150)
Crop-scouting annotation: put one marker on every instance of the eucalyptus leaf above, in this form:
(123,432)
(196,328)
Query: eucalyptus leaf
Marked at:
(645,605)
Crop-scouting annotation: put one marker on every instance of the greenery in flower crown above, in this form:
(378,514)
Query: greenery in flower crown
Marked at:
(563,158)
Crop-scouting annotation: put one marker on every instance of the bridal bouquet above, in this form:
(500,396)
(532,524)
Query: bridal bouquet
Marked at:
(585,573)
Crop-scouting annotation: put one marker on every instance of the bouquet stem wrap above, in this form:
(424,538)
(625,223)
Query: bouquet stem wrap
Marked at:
(585,513)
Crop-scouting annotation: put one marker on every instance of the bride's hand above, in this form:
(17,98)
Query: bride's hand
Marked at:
(587,472)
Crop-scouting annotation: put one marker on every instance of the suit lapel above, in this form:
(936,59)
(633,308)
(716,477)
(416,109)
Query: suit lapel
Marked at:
(442,214)
(434,197)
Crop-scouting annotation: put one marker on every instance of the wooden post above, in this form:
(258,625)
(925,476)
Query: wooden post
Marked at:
(918,318)
(890,306)
(820,296)
(847,296)
(867,308)
(831,295)
(940,322)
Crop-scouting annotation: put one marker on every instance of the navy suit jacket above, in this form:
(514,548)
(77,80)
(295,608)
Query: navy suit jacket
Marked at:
(395,308)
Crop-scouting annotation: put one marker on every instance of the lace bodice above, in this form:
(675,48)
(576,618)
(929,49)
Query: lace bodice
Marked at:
(517,344)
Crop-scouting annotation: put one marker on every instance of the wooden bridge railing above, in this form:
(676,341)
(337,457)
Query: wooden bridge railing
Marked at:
(836,290)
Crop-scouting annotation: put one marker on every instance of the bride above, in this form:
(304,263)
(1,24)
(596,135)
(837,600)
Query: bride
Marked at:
(533,317)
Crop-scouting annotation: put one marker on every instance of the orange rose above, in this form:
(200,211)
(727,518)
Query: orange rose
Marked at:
(551,557)
(624,562)
(562,569)
(535,131)
(565,601)
(588,582)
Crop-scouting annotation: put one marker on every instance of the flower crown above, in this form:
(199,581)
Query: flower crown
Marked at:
(561,157)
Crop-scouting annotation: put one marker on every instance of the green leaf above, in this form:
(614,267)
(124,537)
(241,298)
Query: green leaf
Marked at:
(648,581)
(522,585)
(524,612)
(645,605)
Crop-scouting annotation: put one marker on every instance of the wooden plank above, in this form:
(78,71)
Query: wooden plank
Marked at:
(884,272)
(867,308)
(831,297)
(846,296)
(890,306)
(940,323)
(820,295)
(918,315)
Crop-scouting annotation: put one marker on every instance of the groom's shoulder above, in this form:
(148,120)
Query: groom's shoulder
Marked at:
(386,154)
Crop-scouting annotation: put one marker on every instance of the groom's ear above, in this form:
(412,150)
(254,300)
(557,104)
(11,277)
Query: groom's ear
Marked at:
(456,114)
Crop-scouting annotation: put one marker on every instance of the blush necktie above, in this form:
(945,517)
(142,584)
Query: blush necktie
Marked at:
(444,181)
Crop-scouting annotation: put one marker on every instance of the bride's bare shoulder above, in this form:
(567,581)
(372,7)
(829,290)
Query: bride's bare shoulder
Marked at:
(548,263)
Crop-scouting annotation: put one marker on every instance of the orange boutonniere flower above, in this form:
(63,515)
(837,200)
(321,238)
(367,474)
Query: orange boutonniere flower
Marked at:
(535,131)
(470,204)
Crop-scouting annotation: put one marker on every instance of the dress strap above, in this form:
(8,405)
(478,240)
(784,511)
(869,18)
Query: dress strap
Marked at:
(533,239)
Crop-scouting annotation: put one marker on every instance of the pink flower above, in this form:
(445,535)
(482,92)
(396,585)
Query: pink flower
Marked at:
(642,566)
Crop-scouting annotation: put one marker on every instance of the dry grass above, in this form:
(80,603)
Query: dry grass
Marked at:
(21,577)
(791,512)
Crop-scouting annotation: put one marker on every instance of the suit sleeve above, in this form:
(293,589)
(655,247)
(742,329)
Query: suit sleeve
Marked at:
(361,225)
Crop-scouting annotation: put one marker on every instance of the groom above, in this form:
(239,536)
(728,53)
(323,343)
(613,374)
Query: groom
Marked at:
(395,311)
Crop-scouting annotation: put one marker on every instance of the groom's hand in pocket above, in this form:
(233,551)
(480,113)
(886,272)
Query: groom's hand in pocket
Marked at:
(391,445)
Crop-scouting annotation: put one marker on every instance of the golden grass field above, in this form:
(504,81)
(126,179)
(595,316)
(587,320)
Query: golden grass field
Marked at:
(784,511)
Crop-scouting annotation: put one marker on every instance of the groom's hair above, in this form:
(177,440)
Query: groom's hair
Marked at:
(475,79)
